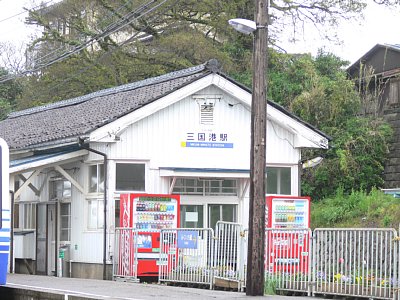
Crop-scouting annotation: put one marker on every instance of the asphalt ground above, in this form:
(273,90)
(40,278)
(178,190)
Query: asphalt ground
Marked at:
(105,289)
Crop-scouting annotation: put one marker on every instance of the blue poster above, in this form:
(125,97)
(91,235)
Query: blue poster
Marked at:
(144,241)
(188,239)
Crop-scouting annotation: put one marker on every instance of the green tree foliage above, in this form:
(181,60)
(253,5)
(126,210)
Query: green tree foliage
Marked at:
(9,91)
(161,35)
(88,45)
(321,95)
(354,161)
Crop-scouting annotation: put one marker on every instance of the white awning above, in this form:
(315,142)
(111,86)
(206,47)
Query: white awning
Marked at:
(43,160)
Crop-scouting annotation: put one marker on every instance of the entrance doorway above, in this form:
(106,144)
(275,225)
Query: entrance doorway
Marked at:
(46,239)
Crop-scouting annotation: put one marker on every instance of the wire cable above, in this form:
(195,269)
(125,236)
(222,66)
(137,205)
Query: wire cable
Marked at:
(120,24)
(23,12)
(106,54)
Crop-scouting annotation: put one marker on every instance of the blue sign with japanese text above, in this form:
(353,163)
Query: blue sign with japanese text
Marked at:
(188,239)
(206,140)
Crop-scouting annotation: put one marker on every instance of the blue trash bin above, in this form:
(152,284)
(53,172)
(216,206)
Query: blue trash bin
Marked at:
(4,245)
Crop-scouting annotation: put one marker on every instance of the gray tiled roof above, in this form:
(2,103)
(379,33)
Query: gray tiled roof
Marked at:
(66,120)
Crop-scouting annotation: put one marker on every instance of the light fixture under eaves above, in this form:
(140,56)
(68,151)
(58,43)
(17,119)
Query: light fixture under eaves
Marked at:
(243,25)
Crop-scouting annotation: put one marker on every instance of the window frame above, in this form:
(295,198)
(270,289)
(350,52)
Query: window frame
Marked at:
(279,181)
(69,218)
(205,187)
(99,214)
(144,164)
(22,219)
(99,176)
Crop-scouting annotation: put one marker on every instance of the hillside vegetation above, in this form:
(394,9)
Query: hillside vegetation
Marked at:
(359,209)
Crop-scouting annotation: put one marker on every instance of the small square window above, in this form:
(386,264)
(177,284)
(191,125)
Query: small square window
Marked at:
(278,181)
(130,177)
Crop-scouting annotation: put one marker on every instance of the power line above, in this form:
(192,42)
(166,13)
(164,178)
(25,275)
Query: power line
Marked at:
(105,55)
(118,25)
(23,12)
(64,47)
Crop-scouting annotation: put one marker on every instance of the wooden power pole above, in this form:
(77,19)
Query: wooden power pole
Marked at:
(256,239)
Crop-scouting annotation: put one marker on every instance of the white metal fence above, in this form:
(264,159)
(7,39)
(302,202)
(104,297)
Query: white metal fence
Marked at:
(186,256)
(339,262)
(288,259)
(125,254)
(356,262)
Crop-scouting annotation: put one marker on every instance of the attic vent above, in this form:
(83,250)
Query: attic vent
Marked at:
(207,114)
(206,105)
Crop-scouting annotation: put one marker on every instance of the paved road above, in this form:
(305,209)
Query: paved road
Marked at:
(99,289)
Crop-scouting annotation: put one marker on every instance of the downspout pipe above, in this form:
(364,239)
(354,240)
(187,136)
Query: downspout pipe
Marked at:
(85,146)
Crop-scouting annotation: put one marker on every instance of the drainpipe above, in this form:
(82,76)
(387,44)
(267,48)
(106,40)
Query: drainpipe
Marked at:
(84,146)
(12,233)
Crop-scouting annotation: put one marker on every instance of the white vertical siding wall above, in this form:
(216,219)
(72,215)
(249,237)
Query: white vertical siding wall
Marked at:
(158,137)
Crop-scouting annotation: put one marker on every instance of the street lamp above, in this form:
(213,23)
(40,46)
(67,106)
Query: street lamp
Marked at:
(243,25)
(256,249)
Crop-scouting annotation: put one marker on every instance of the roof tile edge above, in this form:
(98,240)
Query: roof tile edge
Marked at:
(113,90)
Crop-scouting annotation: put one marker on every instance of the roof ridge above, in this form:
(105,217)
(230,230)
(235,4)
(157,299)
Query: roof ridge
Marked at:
(109,91)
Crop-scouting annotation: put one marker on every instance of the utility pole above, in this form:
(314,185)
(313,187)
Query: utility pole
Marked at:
(256,239)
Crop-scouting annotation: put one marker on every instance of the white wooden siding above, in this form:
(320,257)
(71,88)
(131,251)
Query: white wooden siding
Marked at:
(158,137)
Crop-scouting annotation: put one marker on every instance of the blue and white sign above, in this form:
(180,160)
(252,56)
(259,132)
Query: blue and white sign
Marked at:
(207,140)
(188,239)
(6,211)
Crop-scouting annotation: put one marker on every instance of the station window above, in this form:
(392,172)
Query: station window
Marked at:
(96,178)
(191,216)
(205,187)
(278,181)
(130,177)
(95,216)
(65,218)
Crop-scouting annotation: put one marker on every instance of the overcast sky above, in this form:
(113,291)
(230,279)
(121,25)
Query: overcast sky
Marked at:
(381,25)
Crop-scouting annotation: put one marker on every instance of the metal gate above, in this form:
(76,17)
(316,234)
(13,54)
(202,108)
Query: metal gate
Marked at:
(186,256)
(230,255)
(125,255)
(356,262)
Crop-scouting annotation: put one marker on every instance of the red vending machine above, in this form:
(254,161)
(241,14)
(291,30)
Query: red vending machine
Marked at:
(288,212)
(149,213)
(288,248)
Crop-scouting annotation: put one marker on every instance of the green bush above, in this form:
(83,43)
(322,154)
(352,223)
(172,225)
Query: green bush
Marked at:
(358,209)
